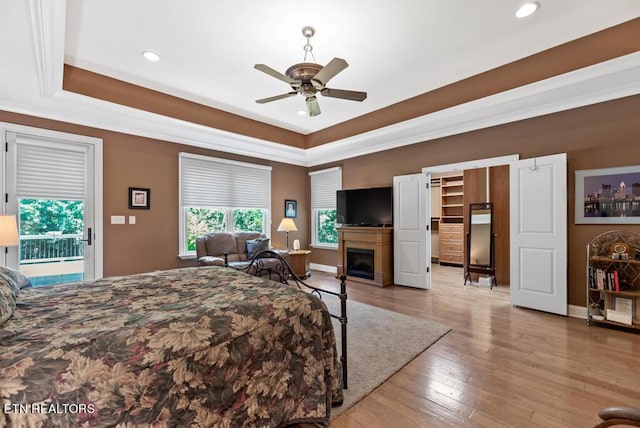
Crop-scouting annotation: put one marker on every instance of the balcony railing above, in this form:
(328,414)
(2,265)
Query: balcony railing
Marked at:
(51,247)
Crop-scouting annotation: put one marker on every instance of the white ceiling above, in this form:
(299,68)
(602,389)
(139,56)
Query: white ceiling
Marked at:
(395,51)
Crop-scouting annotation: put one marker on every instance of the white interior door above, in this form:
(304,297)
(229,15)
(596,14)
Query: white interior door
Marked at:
(50,186)
(538,189)
(411,238)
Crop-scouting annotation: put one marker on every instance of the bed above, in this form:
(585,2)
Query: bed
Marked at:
(205,346)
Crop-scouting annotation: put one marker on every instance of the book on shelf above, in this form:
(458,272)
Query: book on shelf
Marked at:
(619,316)
(625,305)
(600,279)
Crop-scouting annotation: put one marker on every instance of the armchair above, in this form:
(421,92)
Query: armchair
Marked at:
(233,249)
(618,415)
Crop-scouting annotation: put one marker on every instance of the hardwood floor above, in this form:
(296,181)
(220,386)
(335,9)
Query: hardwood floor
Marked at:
(500,366)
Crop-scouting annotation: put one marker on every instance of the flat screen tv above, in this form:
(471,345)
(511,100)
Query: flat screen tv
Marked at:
(365,207)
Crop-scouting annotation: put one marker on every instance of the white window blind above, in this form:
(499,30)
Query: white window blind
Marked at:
(49,172)
(212,182)
(324,185)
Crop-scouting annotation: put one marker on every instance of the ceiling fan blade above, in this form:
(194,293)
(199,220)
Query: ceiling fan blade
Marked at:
(274,73)
(276,98)
(345,95)
(334,67)
(313,108)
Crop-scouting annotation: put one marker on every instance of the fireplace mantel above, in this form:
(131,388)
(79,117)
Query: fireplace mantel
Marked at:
(378,239)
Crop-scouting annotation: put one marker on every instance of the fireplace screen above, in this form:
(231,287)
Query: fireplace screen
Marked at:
(360,263)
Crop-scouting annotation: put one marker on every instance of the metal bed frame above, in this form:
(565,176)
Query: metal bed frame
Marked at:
(283,273)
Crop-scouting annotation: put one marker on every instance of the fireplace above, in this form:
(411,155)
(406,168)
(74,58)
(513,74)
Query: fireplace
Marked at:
(374,245)
(360,263)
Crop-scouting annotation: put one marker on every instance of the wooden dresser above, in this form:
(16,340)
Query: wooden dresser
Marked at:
(451,237)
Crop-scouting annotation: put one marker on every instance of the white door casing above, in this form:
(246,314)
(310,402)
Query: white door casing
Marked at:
(93,182)
(538,203)
(410,235)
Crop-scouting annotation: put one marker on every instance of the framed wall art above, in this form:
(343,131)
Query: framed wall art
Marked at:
(608,195)
(290,208)
(139,198)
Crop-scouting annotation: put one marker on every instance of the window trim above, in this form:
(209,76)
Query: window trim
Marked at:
(183,253)
(314,210)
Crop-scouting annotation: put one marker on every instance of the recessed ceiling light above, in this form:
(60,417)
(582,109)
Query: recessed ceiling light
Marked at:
(151,56)
(527,9)
(302,113)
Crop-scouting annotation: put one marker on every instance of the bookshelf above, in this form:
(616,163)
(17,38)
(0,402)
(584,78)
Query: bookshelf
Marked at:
(451,227)
(613,279)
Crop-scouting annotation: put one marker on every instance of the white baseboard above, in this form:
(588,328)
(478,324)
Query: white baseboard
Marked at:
(578,311)
(323,268)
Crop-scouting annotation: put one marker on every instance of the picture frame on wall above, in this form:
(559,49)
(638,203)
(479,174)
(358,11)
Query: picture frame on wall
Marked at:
(139,198)
(290,208)
(608,195)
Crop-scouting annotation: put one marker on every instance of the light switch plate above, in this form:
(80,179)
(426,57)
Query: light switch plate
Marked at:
(117,219)
(132,219)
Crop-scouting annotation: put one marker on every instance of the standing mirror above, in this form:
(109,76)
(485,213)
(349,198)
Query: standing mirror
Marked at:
(480,251)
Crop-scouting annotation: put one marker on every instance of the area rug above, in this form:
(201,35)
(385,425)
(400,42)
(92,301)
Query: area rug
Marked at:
(379,343)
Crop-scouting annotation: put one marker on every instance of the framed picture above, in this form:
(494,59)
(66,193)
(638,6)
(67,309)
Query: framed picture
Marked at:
(608,195)
(290,208)
(139,198)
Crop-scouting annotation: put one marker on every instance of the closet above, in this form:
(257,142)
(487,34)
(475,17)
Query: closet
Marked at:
(451,194)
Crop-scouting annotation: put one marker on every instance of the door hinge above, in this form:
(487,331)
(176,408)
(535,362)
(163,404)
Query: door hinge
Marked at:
(6,198)
(427,227)
(427,269)
(6,146)
(427,184)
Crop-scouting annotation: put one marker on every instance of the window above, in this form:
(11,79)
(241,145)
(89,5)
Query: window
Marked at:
(221,195)
(324,185)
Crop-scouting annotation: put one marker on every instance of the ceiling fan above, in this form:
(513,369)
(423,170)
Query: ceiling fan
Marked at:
(309,78)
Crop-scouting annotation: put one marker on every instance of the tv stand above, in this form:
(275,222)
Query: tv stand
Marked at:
(368,238)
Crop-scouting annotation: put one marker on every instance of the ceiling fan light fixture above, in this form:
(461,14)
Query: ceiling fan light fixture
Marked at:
(151,56)
(308,79)
(527,9)
(301,113)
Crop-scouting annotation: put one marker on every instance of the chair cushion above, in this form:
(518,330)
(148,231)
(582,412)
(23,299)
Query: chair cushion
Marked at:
(211,261)
(218,243)
(254,246)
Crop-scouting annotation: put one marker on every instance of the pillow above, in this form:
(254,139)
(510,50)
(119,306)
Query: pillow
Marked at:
(7,301)
(14,279)
(254,246)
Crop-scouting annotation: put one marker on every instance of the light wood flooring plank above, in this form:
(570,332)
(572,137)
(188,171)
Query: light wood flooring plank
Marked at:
(500,366)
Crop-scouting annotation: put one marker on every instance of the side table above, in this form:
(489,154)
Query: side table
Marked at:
(300,261)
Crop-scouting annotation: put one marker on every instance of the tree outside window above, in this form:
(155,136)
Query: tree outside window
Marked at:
(326,227)
(205,220)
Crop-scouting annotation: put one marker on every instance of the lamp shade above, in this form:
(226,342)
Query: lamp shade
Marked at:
(287,225)
(8,231)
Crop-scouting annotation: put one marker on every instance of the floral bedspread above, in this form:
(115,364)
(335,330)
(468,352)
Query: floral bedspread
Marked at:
(205,346)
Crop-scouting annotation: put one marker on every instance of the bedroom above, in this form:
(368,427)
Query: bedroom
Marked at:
(586,133)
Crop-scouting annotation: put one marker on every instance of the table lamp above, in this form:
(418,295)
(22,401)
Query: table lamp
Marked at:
(287,225)
(8,231)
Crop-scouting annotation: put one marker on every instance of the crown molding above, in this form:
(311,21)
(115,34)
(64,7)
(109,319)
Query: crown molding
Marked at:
(606,81)
(47,32)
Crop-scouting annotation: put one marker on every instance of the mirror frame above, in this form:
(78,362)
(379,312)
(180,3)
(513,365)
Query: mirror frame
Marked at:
(477,268)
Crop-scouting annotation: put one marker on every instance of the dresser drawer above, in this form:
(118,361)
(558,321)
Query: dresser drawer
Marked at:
(448,227)
(450,257)
(446,245)
(451,236)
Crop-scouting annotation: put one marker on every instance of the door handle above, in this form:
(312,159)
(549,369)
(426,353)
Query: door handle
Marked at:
(90,236)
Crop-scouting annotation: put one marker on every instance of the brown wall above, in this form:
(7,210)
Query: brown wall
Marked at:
(152,243)
(499,195)
(598,136)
